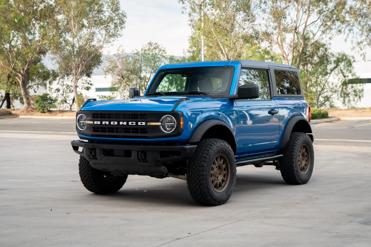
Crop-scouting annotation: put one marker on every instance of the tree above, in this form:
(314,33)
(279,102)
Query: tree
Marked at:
(301,32)
(294,32)
(293,27)
(83,28)
(327,78)
(224,29)
(62,90)
(136,69)
(23,40)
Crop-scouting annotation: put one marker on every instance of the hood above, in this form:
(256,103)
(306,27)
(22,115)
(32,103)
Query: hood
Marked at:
(165,104)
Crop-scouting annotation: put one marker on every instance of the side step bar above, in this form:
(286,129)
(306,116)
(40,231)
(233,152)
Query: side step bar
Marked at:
(249,161)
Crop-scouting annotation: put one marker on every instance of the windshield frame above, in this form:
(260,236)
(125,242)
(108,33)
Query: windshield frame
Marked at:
(151,90)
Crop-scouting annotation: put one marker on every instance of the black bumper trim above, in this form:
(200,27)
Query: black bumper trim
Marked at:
(133,159)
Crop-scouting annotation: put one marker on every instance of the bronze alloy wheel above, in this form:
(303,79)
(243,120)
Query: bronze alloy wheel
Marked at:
(220,173)
(303,159)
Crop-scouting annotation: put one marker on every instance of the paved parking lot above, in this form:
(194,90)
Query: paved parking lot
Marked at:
(42,202)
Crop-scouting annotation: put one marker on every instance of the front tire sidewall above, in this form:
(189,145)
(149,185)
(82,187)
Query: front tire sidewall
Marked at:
(199,169)
(97,181)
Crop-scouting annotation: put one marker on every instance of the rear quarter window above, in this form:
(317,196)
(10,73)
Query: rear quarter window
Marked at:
(287,82)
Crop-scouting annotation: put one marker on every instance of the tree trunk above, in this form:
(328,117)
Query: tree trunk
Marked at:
(75,92)
(7,100)
(23,81)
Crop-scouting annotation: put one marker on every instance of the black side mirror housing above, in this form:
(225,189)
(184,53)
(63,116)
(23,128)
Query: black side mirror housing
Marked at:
(248,91)
(134,92)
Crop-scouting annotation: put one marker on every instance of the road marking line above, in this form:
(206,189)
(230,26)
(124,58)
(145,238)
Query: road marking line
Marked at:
(362,125)
(343,140)
(355,118)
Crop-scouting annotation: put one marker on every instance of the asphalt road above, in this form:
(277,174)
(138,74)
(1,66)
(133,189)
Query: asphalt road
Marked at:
(42,202)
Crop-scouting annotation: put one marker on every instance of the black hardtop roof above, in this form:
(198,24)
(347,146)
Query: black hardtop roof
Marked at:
(244,63)
(253,63)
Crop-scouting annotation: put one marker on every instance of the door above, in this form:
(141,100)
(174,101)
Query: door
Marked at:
(257,130)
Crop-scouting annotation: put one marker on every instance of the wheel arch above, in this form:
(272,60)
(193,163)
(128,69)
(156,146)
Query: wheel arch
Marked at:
(296,124)
(214,129)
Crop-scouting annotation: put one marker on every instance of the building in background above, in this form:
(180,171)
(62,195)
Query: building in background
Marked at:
(363,71)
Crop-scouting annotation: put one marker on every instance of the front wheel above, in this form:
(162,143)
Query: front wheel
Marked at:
(297,163)
(97,181)
(211,174)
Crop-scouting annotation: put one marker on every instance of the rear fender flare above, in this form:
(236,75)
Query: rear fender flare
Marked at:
(289,128)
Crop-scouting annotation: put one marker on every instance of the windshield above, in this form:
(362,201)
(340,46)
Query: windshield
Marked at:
(212,81)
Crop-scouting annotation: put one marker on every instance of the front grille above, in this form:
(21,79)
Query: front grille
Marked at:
(120,116)
(126,131)
(120,130)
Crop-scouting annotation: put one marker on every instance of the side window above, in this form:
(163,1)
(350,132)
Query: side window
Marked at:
(287,82)
(257,76)
(172,83)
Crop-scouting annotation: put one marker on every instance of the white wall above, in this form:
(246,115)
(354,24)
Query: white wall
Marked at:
(363,71)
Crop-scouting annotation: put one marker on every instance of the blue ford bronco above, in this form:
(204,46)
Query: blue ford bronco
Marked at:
(199,121)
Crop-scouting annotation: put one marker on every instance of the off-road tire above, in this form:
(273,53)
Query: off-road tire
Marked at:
(199,172)
(97,181)
(292,167)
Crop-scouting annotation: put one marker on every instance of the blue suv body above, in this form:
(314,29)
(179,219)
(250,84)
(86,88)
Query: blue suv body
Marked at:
(200,118)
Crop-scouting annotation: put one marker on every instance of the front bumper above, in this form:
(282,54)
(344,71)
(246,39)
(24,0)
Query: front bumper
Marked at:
(133,159)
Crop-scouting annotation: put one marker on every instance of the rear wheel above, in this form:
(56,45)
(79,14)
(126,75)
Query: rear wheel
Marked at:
(97,181)
(211,174)
(298,161)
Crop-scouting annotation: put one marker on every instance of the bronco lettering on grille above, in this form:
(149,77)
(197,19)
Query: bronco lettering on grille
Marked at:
(117,123)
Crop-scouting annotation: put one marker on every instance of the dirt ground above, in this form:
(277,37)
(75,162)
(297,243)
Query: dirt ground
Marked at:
(4,112)
(47,114)
(360,112)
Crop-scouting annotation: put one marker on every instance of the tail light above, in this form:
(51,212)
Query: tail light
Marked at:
(309,113)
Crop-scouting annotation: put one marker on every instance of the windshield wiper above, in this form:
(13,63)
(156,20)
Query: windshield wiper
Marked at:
(197,92)
(155,94)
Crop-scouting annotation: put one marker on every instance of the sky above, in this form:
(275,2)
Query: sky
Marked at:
(160,21)
(164,22)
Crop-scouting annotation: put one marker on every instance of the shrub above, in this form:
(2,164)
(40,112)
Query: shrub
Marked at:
(44,102)
(80,99)
(319,113)
(106,97)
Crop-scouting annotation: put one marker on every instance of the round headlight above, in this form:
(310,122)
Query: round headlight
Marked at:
(168,124)
(81,121)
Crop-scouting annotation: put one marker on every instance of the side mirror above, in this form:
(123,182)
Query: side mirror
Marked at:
(134,92)
(248,91)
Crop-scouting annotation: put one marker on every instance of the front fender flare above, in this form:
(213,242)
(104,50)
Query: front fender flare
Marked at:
(205,126)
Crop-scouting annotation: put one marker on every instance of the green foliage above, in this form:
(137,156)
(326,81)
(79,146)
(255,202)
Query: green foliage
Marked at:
(80,100)
(319,113)
(136,69)
(225,28)
(44,102)
(294,32)
(24,39)
(106,97)
(326,78)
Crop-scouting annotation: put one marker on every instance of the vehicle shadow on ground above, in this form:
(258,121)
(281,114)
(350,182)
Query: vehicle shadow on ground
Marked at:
(253,182)
(175,192)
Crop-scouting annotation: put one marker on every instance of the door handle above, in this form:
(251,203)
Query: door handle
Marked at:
(273,112)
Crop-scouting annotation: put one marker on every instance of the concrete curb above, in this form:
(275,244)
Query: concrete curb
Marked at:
(324,120)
